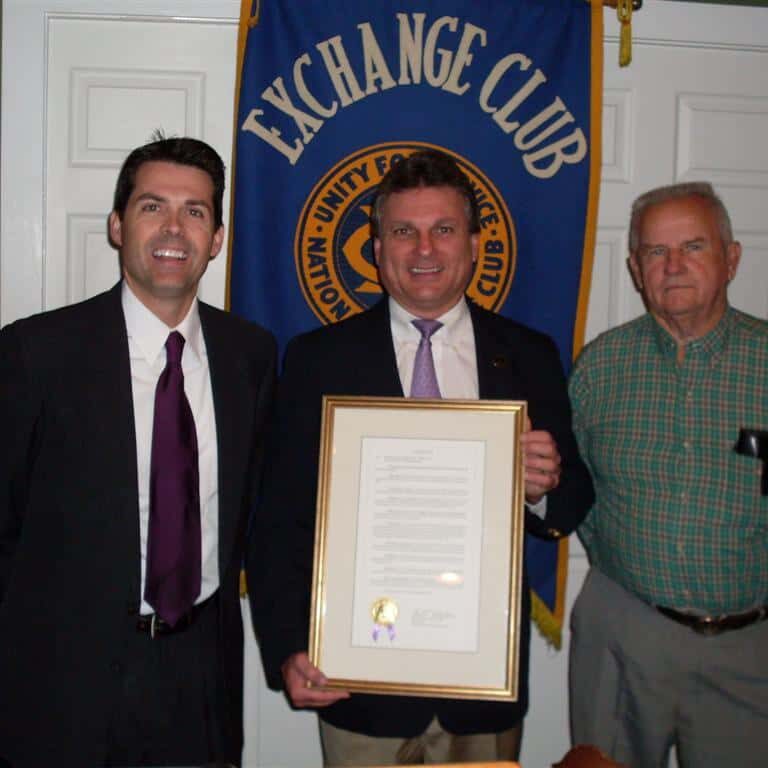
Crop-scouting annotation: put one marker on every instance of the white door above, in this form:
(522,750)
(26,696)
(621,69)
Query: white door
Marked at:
(84,81)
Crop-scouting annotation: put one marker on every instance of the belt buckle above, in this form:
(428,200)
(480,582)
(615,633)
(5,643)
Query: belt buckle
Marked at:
(153,626)
(707,626)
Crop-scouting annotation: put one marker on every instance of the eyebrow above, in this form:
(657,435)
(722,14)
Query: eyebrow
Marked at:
(160,199)
(410,222)
(700,239)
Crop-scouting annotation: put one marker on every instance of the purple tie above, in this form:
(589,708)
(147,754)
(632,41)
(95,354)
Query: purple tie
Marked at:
(424,381)
(173,547)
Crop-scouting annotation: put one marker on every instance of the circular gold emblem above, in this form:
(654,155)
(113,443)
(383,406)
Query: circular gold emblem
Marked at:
(384,612)
(334,250)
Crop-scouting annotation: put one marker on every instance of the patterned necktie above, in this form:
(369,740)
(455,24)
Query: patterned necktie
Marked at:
(173,546)
(424,381)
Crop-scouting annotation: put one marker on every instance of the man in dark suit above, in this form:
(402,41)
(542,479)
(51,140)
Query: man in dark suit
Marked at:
(92,670)
(425,225)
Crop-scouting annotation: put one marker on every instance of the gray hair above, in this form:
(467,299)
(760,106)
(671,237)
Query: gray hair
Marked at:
(700,189)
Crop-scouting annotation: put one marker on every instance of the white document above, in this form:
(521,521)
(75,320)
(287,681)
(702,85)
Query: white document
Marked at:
(419,544)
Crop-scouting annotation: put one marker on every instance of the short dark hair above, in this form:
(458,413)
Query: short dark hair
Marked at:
(425,168)
(680,191)
(179,150)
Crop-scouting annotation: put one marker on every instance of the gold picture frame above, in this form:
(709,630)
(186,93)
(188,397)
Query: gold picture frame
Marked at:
(418,547)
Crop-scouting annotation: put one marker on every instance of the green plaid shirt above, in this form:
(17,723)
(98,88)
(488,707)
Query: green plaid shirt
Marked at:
(678,518)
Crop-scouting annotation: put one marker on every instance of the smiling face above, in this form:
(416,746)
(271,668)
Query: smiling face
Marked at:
(167,236)
(424,251)
(683,267)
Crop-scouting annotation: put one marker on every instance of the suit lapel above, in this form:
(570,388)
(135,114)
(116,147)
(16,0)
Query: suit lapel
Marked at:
(498,375)
(108,384)
(232,402)
(375,358)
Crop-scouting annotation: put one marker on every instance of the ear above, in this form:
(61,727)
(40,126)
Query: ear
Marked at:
(217,242)
(474,243)
(732,258)
(115,229)
(634,268)
(377,250)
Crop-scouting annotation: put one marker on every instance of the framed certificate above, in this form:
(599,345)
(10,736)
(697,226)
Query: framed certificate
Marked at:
(418,547)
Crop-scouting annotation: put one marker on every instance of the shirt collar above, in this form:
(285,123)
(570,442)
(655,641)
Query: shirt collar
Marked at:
(710,345)
(452,320)
(149,333)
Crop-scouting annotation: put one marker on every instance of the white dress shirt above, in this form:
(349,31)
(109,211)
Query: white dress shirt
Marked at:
(453,350)
(147,335)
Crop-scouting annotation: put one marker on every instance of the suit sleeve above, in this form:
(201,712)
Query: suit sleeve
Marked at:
(262,411)
(280,550)
(550,410)
(20,415)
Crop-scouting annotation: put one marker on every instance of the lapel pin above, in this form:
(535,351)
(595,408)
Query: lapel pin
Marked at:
(500,361)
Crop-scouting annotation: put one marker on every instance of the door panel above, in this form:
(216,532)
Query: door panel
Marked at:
(103,100)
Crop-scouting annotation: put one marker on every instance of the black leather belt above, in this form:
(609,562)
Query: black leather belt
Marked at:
(152,625)
(714,625)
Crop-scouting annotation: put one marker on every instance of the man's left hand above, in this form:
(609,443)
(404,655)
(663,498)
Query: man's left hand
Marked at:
(541,463)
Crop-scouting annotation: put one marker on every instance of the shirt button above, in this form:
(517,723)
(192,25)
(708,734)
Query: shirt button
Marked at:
(687,594)
(687,445)
(683,495)
(680,549)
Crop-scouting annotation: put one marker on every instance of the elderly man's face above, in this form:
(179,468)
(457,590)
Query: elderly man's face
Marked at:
(682,266)
(425,252)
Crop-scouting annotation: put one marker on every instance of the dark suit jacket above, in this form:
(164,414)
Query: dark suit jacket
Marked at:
(356,357)
(69,522)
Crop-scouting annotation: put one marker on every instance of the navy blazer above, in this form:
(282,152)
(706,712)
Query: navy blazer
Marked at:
(69,522)
(357,357)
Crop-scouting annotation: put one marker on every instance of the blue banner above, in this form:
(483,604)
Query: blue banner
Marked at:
(332,93)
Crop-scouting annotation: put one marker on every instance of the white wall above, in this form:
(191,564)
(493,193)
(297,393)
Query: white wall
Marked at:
(76,95)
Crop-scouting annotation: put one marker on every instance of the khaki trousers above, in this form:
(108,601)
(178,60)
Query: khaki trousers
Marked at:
(435,745)
(640,682)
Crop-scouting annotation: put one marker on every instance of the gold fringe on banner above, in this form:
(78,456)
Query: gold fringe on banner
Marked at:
(249,18)
(550,623)
(546,622)
(595,156)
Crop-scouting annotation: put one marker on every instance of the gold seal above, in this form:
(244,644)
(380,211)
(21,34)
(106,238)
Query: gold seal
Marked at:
(384,612)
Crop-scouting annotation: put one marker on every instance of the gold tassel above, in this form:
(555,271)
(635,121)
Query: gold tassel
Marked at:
(243,585)
(547,624)
(624,12)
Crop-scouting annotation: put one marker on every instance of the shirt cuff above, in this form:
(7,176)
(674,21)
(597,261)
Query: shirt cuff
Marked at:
(539,508)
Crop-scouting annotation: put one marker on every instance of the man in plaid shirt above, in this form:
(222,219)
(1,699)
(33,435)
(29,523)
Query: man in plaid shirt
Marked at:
(669,639)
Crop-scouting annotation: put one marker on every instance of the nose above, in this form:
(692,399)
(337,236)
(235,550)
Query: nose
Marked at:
(172,223)
(425,243)
(674,261)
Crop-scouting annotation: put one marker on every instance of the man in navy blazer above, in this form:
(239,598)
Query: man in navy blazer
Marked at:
(89,674)
(425,225)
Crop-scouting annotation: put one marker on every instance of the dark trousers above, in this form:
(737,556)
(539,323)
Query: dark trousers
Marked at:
(166,712)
